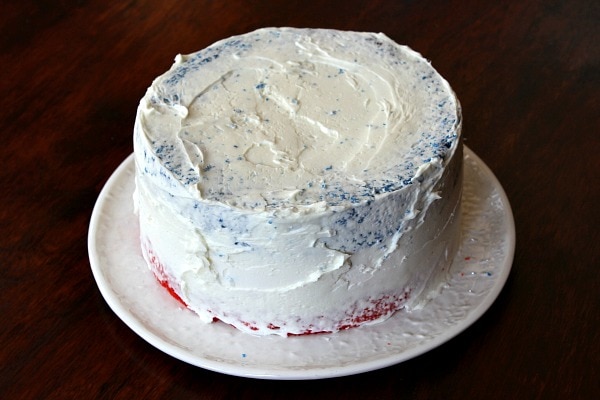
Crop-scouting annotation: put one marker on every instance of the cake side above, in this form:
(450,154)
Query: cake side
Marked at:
(312,192)
(295,297)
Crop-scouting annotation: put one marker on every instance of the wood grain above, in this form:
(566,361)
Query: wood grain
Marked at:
(72,73)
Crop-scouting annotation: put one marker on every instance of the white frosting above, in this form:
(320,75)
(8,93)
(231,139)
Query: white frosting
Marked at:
(295,180)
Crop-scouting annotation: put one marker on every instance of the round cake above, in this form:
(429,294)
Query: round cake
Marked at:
(294,181)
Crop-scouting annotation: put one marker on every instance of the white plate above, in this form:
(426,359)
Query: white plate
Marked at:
(478,274)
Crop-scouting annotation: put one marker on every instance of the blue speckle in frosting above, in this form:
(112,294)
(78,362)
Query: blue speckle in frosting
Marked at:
(430,146)
(201,58)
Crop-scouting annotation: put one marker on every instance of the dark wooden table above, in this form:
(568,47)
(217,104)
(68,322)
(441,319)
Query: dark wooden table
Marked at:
(72,72)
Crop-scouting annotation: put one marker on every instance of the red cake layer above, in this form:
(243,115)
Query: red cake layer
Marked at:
(377,308)
(158,270)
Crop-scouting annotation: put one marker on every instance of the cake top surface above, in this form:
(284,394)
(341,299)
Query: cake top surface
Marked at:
(295,118)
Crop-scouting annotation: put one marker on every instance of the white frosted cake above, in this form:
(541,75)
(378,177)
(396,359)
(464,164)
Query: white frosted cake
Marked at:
(294,181)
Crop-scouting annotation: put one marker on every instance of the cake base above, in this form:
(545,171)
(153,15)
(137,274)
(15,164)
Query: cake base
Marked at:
(477,276)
